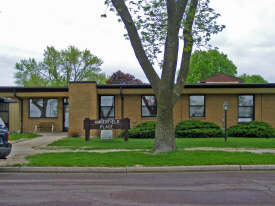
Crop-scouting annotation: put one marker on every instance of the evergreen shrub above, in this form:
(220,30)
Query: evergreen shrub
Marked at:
(198,129)
(251,129)
(144,130)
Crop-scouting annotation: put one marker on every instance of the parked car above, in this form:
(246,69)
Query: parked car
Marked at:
(5,146)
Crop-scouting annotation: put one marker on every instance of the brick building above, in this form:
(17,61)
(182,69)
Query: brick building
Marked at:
(67,107)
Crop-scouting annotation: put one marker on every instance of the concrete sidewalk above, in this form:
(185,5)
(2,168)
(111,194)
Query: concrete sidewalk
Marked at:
(46,138)
(21,149)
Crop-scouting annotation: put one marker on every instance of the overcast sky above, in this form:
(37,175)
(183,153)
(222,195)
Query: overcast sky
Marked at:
(29,26)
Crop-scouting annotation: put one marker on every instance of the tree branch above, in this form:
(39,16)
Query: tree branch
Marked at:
(175,11)
(180,6)
(149,71)
(187,50)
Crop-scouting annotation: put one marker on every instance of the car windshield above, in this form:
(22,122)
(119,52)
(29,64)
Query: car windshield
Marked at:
(2,124)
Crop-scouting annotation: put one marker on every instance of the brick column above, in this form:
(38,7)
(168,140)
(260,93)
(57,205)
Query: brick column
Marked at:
(83,103)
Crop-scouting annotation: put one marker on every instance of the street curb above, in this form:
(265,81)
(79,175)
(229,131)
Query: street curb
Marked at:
(257,167)
(207,168)
(9,169)
(72,170)
(184,168)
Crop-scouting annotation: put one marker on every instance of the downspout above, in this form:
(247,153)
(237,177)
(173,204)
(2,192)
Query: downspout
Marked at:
(121,102)
(14,93)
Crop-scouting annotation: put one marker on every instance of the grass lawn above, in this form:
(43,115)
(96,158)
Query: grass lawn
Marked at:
(22,136)
(118,143)
(133,158)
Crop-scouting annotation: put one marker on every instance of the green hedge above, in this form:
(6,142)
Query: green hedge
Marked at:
(251,129)
(144,130)
(198,129)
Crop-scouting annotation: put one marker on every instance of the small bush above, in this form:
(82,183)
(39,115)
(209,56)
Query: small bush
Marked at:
(144,130)
(251,129)
(198,129)
(73,133)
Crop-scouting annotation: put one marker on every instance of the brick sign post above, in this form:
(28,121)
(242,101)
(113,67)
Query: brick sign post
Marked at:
(106,124)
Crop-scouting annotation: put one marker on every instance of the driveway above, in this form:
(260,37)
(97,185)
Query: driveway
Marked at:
(21,149)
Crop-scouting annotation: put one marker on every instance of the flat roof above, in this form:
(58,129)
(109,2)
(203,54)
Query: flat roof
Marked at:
(214,85)
(132,86)
(33,89)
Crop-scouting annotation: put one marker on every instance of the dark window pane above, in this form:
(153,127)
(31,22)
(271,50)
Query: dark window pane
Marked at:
(66,117)
(66,101)
(244,120)
(36,107)
(51,107)
(107,107)
(197,111)
(107,101)
(149,101)
(149,111)
(196,100)
(107,112)
(148,106)
(43,108)
(245,111)
(196,106)
(245,100)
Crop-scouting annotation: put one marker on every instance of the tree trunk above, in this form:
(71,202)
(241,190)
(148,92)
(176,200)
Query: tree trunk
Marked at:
(165,130)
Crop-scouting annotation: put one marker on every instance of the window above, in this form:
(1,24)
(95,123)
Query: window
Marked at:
(107,107)
(43,108)
(196,106)
(245,108)
(148,106)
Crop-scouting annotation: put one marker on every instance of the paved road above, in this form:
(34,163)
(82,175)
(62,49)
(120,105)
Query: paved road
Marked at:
(197,188)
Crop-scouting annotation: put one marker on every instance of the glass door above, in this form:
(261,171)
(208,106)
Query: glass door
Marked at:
(65,114)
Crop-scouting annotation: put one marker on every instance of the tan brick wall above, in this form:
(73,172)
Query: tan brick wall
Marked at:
(178,111)
(268,109)
(83,103)
(214,111)
(132,110)
(184,108)
(29,123)
(258,107)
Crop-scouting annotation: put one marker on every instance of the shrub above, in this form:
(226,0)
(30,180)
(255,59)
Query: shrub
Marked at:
(143,130)
(198,129)
(251,129)
(73,133)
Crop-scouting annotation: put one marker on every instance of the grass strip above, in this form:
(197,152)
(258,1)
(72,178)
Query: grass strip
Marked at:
(23,136)
(175,158)
(118,143)
(97,143)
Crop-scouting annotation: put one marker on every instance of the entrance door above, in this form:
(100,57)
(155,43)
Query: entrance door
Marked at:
(65,114)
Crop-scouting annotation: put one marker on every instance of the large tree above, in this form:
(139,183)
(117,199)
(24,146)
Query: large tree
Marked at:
(252,78)
(154,26)
(204,64)
(121,78)
(59,67)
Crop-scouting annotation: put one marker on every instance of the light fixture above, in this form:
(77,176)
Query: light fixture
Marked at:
(225,107)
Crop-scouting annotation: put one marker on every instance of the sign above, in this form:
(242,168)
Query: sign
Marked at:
(106,134)
(106,124)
